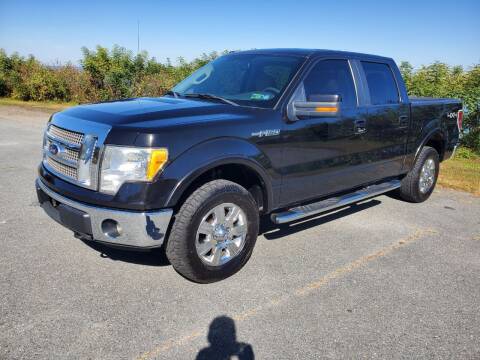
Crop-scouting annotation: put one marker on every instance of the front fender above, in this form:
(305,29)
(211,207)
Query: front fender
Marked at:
(221,151)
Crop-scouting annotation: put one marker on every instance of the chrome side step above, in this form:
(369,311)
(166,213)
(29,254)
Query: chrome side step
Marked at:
(300,212)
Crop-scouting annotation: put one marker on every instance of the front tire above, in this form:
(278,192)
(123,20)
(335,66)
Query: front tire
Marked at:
(214,232)
(419,183)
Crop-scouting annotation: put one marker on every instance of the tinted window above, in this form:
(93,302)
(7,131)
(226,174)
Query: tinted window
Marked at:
(331,77)
(381,83)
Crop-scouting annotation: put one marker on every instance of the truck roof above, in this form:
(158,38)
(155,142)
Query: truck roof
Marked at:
(311,52)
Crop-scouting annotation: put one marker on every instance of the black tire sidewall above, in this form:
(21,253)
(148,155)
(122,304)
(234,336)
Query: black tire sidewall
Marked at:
(427,153)
(204,272)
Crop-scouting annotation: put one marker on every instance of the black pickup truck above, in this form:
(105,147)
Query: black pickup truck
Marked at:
(285,132)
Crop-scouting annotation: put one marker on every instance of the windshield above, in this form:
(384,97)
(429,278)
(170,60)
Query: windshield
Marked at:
(246,79)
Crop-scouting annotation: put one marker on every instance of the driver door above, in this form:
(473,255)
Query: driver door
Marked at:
(323,155)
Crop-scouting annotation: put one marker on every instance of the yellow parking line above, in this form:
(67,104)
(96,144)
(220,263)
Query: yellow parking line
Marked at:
(299,292)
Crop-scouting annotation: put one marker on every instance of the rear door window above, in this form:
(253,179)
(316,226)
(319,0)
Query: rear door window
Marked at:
(381,83)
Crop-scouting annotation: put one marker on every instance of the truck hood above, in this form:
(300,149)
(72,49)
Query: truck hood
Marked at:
(154,112)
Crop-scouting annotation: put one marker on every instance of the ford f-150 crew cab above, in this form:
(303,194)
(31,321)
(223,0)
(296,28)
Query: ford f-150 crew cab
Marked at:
(284,132)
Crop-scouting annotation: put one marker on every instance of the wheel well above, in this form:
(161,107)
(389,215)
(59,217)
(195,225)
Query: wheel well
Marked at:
(237,173)
(437,142)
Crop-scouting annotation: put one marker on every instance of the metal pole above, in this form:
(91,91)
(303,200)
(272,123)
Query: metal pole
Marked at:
(138,36)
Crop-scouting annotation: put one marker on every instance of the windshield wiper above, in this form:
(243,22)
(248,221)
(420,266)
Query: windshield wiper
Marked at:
(211,96)
(174,93)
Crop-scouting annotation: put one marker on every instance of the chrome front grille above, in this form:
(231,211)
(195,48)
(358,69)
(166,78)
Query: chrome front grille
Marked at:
(62,169)
(72,148)
(67,136)
(70,154)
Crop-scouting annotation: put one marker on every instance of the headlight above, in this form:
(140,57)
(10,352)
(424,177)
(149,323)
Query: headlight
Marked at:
(121,164)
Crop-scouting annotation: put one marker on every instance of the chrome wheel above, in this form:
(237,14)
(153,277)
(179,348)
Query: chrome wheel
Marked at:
(221,234)
(427,176)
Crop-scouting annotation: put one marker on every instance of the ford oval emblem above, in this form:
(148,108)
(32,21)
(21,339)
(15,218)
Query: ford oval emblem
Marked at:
(53,149)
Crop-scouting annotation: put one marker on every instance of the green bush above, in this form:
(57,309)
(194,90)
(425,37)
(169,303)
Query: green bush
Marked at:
(472,139)
(104,75)
(465,153)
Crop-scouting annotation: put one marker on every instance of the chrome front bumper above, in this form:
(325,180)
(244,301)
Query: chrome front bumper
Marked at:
(134,229)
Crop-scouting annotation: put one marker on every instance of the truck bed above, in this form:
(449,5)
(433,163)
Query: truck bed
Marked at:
(428,114)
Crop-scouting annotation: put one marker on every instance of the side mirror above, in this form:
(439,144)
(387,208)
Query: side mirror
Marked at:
(317,106)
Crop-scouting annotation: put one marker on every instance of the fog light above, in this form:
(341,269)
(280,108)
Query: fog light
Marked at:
(111,228)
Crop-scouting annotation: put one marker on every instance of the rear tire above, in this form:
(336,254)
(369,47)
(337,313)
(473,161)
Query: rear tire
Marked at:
(198,235)
(420,182)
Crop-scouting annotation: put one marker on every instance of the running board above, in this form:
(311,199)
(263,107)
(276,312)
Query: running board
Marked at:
(300,212)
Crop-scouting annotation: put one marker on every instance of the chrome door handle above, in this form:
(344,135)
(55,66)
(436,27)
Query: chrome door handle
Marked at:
(360,126)
(403,120)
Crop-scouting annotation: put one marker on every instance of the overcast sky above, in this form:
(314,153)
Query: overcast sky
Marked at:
(418,31)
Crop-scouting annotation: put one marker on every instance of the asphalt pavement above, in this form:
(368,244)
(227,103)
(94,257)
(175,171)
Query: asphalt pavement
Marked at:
(382,279)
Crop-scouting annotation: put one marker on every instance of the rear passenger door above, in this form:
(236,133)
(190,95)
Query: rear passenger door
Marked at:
(387,120)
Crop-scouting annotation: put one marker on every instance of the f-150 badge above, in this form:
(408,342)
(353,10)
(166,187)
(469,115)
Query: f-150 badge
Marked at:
(268,132)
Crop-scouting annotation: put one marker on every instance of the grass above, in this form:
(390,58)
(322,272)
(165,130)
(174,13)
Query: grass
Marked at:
(40,105)
(462,172)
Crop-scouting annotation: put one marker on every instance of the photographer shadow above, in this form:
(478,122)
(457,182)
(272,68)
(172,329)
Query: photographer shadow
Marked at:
(223,342)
